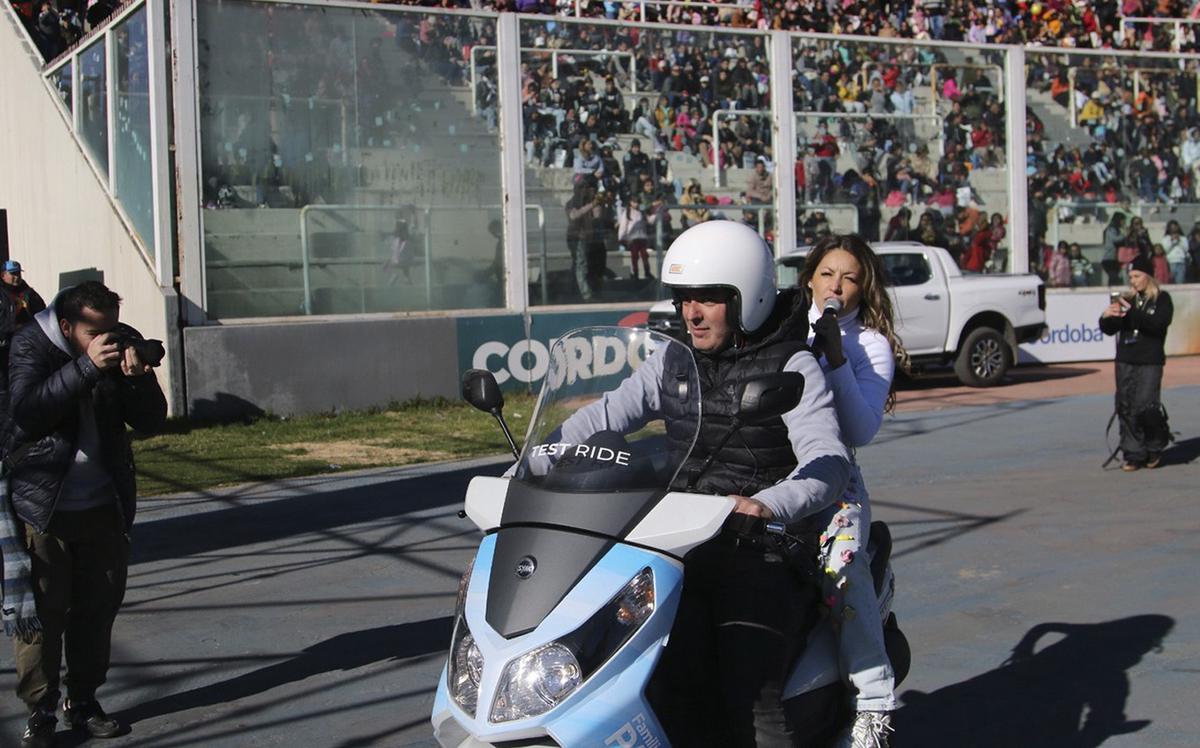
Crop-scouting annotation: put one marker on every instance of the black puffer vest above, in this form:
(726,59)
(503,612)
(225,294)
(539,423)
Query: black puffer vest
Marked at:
(756,456)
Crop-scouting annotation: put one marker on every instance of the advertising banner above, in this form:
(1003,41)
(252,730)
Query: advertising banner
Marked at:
(499,345)
(1073,327)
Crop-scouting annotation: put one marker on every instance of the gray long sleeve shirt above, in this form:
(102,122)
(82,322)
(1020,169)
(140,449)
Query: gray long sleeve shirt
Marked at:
(823,464)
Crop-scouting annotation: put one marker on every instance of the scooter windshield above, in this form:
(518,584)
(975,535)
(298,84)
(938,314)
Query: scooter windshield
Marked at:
(619,411)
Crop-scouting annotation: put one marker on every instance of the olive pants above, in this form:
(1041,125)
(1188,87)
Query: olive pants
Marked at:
(79,568)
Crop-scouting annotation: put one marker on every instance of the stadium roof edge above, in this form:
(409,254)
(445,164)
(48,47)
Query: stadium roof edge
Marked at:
(541,18)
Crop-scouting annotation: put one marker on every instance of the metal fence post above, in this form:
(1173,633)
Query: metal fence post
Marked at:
(512,162)
(1018,195)
(784,125)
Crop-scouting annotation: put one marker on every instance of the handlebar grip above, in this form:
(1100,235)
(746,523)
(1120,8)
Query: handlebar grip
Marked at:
(745,525)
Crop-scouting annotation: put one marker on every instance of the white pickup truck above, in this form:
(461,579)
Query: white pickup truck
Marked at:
(944,316)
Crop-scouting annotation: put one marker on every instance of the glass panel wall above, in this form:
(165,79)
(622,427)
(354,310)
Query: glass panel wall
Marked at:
(61,80)
(622,154)
(903,142)
(350,161)
(1114,159)
(134,183)
(93,103)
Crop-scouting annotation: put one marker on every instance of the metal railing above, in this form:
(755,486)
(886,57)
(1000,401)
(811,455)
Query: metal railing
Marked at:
(554,55)
(1183,213)
(997,86)
(306,261)
(1072,73)
(937,119)
(1178,38)
(152,240)
(315,108)
(716,135)
(658,244)
(642,4)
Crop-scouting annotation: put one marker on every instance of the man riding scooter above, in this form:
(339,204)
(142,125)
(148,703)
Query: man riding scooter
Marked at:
(738,624)
(624,492)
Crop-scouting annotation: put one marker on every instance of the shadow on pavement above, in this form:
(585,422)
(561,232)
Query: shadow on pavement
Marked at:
(1182,453)
(343,652)
(1070,693)
(309,509)
(1016,375)
(936,526)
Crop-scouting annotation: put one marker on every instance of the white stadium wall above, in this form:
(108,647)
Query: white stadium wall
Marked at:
(61,221)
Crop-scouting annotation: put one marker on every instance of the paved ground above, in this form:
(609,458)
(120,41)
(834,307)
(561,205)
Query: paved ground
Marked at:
(941,390)
(316,612)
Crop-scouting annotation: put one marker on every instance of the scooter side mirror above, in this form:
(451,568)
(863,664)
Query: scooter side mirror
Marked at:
(479,388)
(768,396)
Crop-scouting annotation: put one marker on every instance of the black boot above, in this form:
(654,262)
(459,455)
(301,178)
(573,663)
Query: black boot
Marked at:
(89,717)
(39,730)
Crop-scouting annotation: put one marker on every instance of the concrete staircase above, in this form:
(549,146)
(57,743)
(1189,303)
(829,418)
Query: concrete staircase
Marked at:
(1056,119)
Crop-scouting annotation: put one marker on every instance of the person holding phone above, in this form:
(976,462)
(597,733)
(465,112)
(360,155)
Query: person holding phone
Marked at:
(1139,318)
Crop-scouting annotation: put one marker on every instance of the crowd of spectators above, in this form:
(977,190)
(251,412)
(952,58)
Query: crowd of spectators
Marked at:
(56,25)
(1058,23)
(864,138)
(1174,255)
(1097,24)
(579,115)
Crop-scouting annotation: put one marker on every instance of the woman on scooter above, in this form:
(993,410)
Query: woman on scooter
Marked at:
(854,336)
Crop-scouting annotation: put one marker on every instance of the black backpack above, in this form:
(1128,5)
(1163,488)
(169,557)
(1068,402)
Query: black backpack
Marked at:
(1155,426)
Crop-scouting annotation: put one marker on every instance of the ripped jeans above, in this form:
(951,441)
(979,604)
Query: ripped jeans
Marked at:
(849,591)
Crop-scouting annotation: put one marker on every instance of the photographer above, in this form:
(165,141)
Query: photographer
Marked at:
(1139,319)
(77,377)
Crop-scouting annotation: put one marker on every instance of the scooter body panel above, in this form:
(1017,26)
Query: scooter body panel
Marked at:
(609,708)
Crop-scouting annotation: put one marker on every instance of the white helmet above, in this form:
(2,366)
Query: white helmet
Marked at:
(725,254)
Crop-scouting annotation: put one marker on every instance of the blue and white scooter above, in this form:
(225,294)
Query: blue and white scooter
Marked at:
(565,610)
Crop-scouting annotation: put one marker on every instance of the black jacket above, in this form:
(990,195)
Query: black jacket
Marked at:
(26,302)
(757,456)
(45,387)
(1142,332)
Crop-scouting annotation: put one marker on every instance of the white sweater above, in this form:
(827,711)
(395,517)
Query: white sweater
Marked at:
(860,386)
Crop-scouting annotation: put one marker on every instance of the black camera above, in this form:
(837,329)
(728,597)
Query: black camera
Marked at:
(149,350)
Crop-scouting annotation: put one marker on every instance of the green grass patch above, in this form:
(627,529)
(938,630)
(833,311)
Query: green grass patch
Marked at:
(191,457)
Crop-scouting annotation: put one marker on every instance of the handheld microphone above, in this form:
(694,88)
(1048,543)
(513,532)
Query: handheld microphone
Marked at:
(833,306)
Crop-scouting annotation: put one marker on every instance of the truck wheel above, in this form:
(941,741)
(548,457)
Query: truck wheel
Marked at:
(983,359)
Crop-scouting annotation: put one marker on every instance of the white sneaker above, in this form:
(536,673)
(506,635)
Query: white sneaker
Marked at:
(870,730)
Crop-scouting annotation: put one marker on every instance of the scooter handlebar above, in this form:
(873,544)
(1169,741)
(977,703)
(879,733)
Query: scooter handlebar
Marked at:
(753,528)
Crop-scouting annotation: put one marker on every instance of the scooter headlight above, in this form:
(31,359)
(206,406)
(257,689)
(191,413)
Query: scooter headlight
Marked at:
(465,668)
(536,682)
(614,624)
(463,583)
